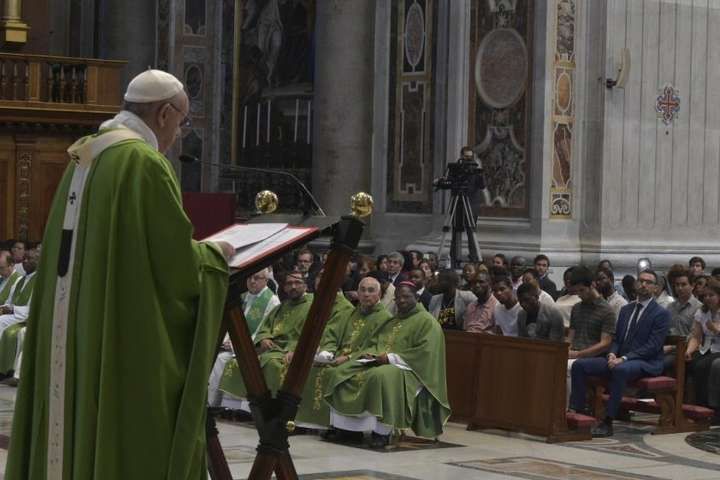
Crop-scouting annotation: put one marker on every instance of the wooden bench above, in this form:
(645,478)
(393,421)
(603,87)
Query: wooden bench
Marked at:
(668,393)
(511,383)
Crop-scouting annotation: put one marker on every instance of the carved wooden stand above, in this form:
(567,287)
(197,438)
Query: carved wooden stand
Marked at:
(274,417)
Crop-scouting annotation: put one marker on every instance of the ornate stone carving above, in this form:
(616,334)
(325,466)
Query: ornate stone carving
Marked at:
(563,120)
(23,173)
(499,110)
(667,105)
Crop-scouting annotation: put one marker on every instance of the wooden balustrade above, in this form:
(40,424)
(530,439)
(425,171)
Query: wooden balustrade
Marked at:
(43,89)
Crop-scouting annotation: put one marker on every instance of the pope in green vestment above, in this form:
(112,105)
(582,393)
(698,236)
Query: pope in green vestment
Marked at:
(344,335)
(143,313)
(403,385)
(275,339)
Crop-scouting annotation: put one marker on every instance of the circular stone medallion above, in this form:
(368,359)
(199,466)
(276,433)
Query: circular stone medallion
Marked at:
(414,35)
(194,81)
(501,68)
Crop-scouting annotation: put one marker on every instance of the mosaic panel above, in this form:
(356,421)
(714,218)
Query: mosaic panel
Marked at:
(354,475)
(500,80)
(563,120)
(410,146)
(533,468)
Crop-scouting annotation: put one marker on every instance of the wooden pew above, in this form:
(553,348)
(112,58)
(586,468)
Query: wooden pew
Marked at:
(510,383)
(669,392)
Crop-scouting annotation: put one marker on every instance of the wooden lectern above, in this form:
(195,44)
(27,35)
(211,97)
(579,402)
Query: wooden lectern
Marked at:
(274,417)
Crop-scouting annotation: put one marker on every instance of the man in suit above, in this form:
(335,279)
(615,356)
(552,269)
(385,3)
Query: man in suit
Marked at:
(449,306)
(636,351)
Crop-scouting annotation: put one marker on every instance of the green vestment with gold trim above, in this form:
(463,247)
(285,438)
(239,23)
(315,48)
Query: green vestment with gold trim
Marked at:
(415,398)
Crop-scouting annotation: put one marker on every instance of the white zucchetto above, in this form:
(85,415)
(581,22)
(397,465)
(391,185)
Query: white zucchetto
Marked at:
(153,86)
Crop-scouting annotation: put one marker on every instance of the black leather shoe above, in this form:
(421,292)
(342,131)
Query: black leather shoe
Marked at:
(378,441)
(604,429)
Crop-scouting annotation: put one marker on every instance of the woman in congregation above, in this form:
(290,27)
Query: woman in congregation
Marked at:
(703,351)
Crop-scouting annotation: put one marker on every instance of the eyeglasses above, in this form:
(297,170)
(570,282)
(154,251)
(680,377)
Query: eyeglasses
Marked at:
(186,122)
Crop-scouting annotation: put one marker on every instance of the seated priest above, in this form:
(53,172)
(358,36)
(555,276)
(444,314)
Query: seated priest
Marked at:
(13,316)
(275,341)
(8,275)
(257,302)
(345,334)
(397,380)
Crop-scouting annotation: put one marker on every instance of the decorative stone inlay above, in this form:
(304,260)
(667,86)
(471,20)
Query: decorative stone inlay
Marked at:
(501,68)
(414,35)
(563,119)
(667,105)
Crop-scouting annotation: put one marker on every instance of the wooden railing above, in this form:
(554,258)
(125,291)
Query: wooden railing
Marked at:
(48,83)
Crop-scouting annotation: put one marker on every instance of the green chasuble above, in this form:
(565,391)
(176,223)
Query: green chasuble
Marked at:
(7,286)
(24,290)
(389,392)
(145,307)
(283,326)
(9,339)
(255,315)
(344,336)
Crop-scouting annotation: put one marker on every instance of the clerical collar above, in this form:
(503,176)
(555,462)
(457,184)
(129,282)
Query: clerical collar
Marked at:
(129,120)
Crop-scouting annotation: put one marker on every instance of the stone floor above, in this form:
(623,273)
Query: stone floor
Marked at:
(633,453)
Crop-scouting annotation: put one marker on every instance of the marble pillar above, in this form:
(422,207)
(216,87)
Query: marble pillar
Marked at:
(343,116)
(126,31)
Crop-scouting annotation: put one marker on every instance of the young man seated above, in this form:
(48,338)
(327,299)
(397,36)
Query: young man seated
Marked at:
(636,351)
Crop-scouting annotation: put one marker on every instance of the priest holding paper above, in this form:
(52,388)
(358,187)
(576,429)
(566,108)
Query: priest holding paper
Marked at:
(397,380)
(125,313)
(344,335)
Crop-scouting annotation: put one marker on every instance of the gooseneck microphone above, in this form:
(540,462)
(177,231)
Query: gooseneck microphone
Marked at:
(190,159)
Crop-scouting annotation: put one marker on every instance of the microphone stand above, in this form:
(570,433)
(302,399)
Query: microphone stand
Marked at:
(189,159)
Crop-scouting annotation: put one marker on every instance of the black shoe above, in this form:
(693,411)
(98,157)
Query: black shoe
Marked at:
(378,441)
(331,434)
(602,430)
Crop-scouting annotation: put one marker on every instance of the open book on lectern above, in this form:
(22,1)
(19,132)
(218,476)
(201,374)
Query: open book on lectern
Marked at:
(256,241)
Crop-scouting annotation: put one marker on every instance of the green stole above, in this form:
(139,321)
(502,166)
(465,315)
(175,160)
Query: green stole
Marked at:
(23,291)
(256,314)
(7,286)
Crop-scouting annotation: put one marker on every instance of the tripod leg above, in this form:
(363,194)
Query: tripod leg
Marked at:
(470,225)
(448,225)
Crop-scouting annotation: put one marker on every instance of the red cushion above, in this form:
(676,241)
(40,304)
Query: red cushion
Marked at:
(655,384)
(578,421)
(696,412)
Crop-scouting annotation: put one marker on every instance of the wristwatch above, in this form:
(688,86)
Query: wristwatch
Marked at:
(624,358)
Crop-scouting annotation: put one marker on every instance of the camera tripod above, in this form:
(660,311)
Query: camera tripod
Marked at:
(459,220)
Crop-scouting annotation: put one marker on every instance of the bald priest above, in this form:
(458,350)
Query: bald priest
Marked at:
(125,313)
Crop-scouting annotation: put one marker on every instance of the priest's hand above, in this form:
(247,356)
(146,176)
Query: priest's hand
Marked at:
(382,359)
(6,309)
(227,250)
(288,357)
(266,344)
(572,354)
(341,359)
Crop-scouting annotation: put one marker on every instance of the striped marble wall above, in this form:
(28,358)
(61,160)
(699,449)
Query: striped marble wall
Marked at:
(663,174)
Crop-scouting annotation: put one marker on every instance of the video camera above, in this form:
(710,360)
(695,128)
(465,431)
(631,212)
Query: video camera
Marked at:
(462,177)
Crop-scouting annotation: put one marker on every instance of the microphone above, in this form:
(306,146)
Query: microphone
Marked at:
(190,159)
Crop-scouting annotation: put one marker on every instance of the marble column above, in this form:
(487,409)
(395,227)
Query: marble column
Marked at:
(343,110)
(126,31)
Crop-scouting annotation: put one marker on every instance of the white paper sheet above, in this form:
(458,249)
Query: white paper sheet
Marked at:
(244,235)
